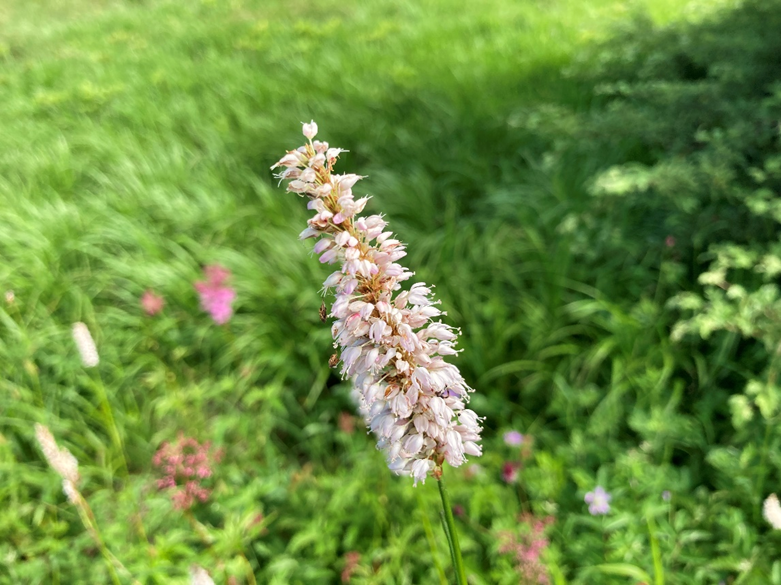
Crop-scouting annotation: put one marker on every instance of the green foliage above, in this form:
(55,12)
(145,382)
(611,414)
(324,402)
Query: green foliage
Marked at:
(593,189)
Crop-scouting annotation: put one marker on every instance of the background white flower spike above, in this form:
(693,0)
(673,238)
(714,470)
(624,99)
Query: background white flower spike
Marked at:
(60,459)
(199,576)
(771,510)
(86,345)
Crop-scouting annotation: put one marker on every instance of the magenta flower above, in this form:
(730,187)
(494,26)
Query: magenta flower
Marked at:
(510,471)
(152,303)
(598,501)
(513,438)
(216,298)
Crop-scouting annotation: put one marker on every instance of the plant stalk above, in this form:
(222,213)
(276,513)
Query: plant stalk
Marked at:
(455,549)
(110,422)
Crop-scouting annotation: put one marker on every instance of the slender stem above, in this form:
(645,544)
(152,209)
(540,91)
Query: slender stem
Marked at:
(91,524)
(762,472)
(101,545)
(431,542)
(199,529)
(250,570)
(111,425)
(447,535)
(450,522)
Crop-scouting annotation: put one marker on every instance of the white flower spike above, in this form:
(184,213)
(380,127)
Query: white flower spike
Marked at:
(411,398)
(771,510)
(199,576)
(86,345)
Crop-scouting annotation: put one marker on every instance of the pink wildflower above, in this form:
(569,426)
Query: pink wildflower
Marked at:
(185,463)
(390,346)
(351,560)
(527,547)
(670,241)
(598,501)
(513,438)
(510,471)
(152,303)
(216,297)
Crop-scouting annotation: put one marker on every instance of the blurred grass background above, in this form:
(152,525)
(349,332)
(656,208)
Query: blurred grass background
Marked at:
(535,156)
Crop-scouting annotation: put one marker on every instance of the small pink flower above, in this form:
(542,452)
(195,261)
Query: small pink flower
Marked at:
(669,241)
(510,472)
(216,298)
(513,438)
(527,545)
(351,560)
(598,501)
(152,303)
(185,463)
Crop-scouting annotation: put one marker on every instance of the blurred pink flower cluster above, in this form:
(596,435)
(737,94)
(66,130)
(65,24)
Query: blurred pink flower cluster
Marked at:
(185,463)
(216,297)
(351,560)
(391,347)
(527,547)
(152,303)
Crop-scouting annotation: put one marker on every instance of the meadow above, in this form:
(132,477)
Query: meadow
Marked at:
(592,187)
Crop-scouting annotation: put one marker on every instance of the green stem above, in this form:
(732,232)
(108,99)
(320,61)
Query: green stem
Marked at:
(447,535)
(450,522)
(431,541)
(110,422)
(762,472)
(91,524)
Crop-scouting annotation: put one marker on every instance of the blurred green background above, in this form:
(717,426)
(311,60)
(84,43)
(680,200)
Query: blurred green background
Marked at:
(592,185)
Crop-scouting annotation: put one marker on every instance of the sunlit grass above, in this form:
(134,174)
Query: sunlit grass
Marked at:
(135,145)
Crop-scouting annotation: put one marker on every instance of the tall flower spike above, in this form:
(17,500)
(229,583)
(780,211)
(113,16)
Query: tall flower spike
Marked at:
(390,346)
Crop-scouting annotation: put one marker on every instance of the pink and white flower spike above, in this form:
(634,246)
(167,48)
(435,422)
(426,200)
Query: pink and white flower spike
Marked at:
(391,347)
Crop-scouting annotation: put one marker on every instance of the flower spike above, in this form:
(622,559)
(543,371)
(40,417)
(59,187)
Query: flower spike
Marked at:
(389,345)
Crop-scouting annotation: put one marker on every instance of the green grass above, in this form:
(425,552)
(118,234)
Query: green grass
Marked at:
(135,145)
